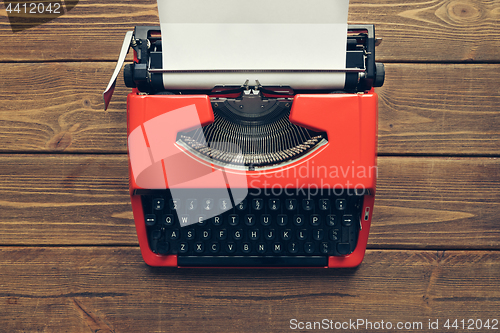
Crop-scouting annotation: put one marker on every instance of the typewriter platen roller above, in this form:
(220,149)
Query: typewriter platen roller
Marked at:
(251,174)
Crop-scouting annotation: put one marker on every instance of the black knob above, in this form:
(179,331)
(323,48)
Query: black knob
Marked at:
(379,75)
(128,75)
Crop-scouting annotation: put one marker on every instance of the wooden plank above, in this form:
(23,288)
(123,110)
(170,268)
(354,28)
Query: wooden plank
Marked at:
(112,290)
(439,109)
(423,109)
(437,30)
(421,203)
(437,203)
(432,30)
(65,199)
(59,107)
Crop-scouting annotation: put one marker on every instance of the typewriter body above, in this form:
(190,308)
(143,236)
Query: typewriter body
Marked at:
(249,174)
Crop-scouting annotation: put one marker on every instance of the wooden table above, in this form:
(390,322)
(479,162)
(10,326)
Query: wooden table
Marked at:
(69,257)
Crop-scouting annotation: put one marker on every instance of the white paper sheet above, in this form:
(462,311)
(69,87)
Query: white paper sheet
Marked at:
(259,35)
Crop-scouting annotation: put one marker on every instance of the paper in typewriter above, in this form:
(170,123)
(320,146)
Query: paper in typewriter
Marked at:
(229,41)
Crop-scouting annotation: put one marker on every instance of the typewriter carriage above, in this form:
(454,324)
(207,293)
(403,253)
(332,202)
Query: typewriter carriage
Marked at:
(362,72)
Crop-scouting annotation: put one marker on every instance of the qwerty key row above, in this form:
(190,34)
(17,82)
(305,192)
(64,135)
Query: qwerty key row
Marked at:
(255,226)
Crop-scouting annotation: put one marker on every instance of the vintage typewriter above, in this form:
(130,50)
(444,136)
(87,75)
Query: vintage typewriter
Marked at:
(251,174)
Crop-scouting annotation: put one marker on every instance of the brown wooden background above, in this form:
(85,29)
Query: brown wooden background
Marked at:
(69,257)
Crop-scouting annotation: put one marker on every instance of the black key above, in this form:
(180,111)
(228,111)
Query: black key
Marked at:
(307,204)
(192,204)
(158,204)
(302,234)
(293,247)
(230,248)
(261,248)
(168,220)
(331,221)
(291,204)
(298,220)
(185,220)
(174,204)
(206,234)
(199,247)
(277,248)
(340,204)
(183,248)
(150,219)
(333,234)
(233,219)
(324,204)
(254,234)
(265,220)
(343,248)
(224,205)
(190,234)
(282,220)
(162,248)
(214,247)
(237,234)
(269,234)
(208,204)
(222,234)
(325,248)
(173,234)
(318,234)
(315,220)
(347,220)
(242,205)
(216,220)
(257,204)
(201,220)
(309,247)
(286,234)
(246,248)
(250,220)
(274,204)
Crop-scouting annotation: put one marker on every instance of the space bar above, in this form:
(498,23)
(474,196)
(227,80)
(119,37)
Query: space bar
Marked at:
(253,261)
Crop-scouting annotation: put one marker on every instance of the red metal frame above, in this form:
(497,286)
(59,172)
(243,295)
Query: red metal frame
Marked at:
(350,121)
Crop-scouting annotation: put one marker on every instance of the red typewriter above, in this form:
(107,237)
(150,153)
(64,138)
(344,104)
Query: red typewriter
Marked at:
(251,174)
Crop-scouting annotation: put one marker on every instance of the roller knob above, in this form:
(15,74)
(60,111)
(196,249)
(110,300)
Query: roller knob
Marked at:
(379,75)
(128,75)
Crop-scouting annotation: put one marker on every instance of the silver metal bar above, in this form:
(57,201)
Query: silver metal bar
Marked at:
(343,70)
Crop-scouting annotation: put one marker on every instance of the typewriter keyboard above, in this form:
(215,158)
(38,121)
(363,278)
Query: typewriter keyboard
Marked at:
(261,230)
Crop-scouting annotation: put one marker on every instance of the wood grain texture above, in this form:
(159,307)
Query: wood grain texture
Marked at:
(432,31)
(423,109)
(112,290)
(68,250)
(440,109)
(59,107)
(437,30)
(65,199)
(421,203)
(437,203)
